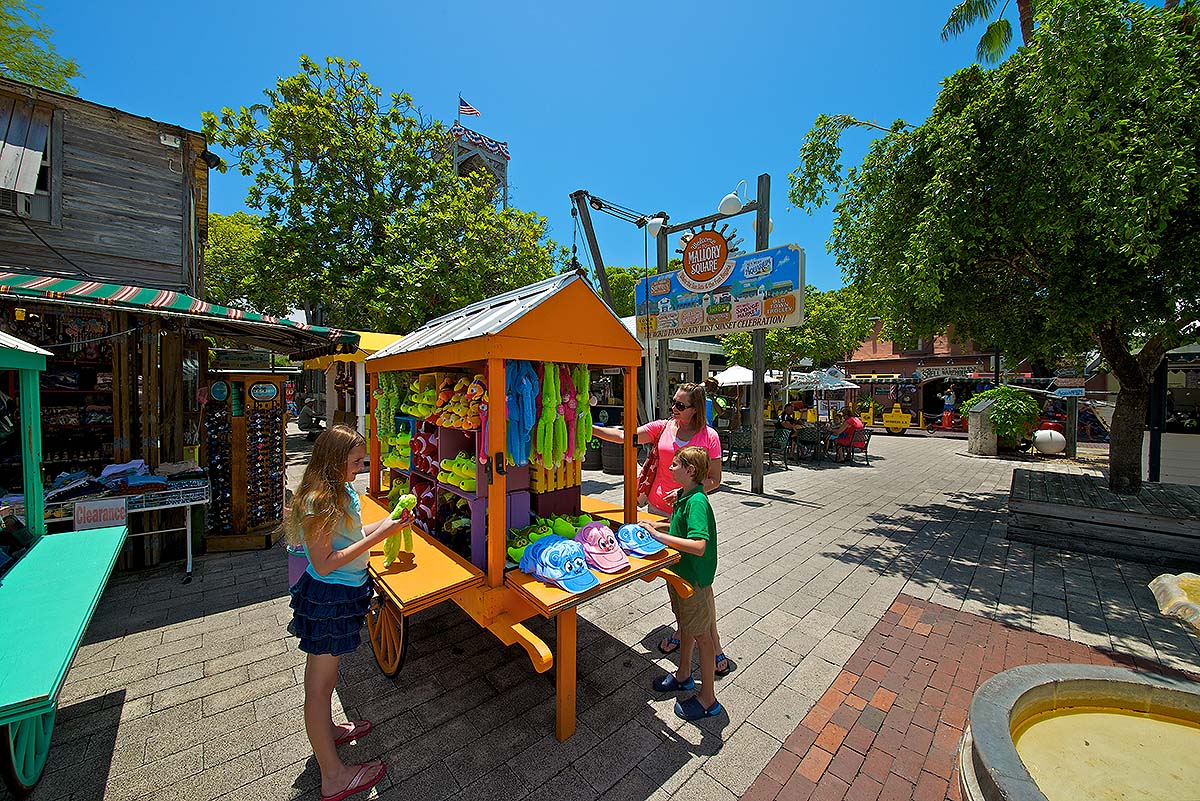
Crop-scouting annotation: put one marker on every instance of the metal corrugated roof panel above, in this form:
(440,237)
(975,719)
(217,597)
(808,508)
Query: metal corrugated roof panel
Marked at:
(490,316)
(11,342)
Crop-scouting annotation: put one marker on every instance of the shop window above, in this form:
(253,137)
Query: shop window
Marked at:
(30,192)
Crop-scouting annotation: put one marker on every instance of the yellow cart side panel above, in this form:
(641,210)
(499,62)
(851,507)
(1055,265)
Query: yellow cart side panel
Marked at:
(428,575)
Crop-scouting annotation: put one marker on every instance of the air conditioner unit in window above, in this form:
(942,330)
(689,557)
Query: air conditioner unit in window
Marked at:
(32,207)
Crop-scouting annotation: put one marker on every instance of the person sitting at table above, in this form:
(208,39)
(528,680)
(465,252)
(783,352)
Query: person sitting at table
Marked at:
(792,418)
(843,435)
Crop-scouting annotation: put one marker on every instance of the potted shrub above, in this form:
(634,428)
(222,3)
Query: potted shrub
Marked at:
(1014,413)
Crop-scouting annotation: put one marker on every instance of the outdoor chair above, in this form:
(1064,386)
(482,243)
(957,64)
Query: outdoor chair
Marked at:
(740,444)
(860,443)
(777,445)
(810,438)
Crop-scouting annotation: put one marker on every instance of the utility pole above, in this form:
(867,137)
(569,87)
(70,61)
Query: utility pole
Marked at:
(662,373)
(758,339)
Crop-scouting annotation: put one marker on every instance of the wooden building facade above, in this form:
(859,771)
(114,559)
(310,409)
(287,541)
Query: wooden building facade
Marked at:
(103,225)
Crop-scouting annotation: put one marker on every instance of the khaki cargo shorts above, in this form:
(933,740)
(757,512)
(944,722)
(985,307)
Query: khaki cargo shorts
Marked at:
(696,615)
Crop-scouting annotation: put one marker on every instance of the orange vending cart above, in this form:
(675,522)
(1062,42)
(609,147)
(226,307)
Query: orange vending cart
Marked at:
(557,323)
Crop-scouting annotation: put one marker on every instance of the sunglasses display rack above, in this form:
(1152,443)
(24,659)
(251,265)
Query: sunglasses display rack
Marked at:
(264,441)
(245,452)
(218,446)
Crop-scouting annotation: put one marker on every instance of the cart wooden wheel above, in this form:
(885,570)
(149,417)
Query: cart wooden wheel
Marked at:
(24,745)
(389,639)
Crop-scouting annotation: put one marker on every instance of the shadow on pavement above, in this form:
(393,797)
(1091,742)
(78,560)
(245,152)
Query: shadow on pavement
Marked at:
(956,547)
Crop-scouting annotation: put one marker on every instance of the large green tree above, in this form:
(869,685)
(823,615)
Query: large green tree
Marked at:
(364,215)
(835,324)
(622,282)
(1048,206)
(26,52)
(236,271)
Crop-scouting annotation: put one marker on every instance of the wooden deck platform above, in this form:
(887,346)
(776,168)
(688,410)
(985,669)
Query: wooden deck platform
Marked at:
(1079,513)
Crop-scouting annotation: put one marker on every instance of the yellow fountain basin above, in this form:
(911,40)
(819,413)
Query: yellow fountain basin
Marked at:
(1110,755)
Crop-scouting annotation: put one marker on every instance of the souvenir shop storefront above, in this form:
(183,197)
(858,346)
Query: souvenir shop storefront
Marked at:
(133,418)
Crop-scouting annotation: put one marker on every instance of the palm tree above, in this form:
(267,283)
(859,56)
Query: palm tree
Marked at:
(998,35)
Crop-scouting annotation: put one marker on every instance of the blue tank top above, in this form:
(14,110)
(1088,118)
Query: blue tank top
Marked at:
(354,573)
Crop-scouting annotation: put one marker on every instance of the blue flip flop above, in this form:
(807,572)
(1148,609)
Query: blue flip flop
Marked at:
(692,709)
(670,684)
(672,645)
(729,665)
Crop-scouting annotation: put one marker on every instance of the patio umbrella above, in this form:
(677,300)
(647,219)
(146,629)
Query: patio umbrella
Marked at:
(738,376)
(821,380)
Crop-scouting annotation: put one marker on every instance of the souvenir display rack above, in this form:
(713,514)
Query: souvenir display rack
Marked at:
(244,450)
(538,324)
(76,388)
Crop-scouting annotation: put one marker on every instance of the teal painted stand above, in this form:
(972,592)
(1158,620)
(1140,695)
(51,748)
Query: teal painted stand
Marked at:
(46,602)
(46,599)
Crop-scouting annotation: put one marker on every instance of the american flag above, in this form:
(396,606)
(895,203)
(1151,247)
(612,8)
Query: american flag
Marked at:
(466,109)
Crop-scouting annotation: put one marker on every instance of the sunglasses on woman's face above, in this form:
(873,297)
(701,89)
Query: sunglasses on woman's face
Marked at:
(679,406)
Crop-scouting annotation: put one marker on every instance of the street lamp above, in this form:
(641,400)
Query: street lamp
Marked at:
(654,225)
(731,204)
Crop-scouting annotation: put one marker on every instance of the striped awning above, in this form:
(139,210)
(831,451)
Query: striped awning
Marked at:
(275,333)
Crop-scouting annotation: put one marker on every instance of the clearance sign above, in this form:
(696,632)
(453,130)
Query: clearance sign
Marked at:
(100,514)
(715,294)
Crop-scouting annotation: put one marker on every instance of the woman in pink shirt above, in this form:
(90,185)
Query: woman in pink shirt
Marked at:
(685,427)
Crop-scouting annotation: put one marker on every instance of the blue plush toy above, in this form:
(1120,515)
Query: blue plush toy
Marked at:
(521,396)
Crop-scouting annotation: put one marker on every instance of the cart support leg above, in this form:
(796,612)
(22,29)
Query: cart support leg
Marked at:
(564,675)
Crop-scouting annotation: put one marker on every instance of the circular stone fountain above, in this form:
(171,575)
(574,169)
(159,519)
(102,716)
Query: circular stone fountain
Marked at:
(1081,732)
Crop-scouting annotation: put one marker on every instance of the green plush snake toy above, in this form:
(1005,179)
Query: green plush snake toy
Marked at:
(582,377)
(544,446)
(403,537)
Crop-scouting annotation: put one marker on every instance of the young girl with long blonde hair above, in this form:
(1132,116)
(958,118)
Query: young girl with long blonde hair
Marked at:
(329,602)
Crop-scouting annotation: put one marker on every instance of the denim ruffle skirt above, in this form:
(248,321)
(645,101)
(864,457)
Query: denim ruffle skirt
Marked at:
(328,617)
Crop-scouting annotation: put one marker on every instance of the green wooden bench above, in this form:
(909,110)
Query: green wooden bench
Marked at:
(46,602)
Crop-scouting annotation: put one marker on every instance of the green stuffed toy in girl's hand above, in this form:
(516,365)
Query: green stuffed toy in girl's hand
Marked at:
(402,539)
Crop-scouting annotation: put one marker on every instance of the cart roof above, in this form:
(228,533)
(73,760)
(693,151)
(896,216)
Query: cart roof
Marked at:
(558,319)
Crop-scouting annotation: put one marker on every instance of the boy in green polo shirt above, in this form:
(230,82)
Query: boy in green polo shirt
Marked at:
(692,532)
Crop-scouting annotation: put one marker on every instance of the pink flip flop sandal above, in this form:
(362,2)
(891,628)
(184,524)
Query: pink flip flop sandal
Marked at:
(359,784)
(358,729)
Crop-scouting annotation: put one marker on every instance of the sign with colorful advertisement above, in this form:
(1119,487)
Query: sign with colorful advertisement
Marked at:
(713,294)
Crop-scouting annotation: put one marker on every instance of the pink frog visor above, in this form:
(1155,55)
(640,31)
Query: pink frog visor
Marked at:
(600,548)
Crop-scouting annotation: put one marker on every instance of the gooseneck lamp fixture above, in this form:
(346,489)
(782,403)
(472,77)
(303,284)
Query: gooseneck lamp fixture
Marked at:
(731,204)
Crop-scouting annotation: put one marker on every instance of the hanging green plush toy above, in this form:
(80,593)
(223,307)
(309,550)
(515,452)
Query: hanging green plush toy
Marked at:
(560,422)
(402,539)
(583,411)
(544,445)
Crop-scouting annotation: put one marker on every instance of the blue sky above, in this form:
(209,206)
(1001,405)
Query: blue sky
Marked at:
(650,105)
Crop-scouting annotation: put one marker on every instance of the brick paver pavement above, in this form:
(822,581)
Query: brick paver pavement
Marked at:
(193,691)
(889,725)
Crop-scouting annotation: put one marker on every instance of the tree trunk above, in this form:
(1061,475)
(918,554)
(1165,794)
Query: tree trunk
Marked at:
(1025,12)
(1129,417)
(1125,440)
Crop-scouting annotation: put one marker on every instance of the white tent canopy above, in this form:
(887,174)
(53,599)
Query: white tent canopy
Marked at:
(738,376)
(819,380)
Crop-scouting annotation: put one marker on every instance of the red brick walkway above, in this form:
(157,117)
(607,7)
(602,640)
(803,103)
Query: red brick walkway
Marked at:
(889,725)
